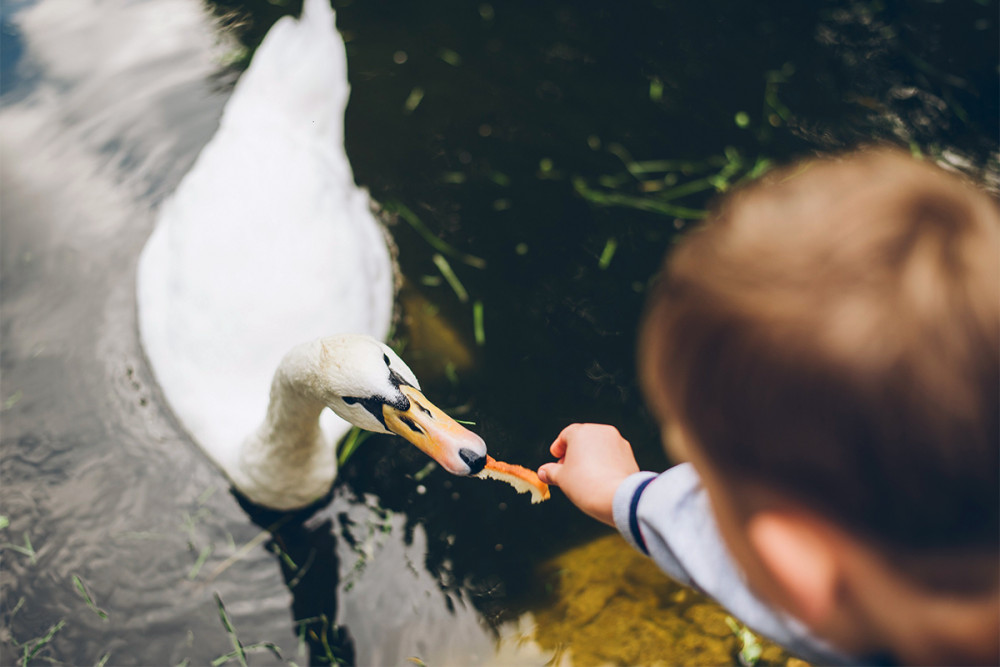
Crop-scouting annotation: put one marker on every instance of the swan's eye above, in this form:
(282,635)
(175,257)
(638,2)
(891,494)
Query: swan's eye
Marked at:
(385,358)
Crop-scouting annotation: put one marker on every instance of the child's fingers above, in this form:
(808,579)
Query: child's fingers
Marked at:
(549,473)
(558,448)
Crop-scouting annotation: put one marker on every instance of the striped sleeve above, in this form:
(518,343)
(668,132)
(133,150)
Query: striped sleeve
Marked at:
(668,517)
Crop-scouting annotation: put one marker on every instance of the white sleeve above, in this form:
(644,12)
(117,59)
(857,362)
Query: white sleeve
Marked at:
(668,517)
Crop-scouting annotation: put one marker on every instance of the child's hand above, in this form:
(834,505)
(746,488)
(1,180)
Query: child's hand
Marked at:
(593,460)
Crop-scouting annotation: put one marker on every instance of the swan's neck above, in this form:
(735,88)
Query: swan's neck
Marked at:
(288,462)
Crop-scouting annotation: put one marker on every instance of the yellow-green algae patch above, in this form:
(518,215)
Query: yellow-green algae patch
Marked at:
(434,344)
(606,604)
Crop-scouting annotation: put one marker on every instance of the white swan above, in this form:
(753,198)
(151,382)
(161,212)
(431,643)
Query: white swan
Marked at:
(268,242)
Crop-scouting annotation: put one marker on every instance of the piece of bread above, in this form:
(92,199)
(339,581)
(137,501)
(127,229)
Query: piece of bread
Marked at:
(522,479)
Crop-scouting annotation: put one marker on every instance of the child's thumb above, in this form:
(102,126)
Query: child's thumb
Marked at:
(549,473)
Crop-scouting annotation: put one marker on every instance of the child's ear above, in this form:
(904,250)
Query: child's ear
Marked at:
(800,555)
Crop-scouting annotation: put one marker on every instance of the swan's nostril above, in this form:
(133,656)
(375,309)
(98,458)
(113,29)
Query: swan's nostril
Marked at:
(476,462)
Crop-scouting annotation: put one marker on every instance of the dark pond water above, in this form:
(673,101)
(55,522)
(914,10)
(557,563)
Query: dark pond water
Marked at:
(564,144)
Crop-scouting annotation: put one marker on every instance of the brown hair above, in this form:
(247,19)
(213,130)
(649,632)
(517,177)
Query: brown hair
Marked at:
(833,332)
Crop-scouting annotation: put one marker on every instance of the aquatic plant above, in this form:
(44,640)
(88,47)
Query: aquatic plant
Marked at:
(103,615)
(239,651)
(750,646)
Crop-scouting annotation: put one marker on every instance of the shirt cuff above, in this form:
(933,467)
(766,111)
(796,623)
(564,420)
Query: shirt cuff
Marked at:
(625,505)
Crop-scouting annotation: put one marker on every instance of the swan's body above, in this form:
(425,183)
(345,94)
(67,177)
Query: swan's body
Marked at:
(268,242)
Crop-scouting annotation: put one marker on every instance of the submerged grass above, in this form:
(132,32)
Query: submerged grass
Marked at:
(26,550)
(239,651)
(650,205)
(206,494)
(33,647)
(445,250)
(450,57)
(450,277)
(441,246)
(478,328)
(413,100)
(301,571)
(203,555)
(248,547)
(608,253)
(82,590)
(191,520)
(41,648)
(655,186)
(13,400)
(352,441)
(322,637)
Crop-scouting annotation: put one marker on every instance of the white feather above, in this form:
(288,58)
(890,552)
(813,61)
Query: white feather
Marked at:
(267,242)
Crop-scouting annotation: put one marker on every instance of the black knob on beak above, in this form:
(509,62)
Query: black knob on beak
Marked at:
(475,461)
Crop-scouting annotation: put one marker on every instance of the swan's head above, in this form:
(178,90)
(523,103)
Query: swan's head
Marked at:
(373,389)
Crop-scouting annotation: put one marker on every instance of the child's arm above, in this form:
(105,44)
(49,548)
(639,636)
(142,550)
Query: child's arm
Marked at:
(594,459)
(667,517)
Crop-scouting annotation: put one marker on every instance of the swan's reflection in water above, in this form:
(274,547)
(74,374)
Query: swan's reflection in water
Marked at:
(361,593)
(305,548)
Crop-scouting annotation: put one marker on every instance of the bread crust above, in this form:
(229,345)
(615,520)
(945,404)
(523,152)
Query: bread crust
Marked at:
(522,479)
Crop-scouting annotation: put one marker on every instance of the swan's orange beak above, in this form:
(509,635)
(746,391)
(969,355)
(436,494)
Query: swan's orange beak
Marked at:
(456,448)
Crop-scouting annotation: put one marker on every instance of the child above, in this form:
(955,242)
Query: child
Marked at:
(824,353)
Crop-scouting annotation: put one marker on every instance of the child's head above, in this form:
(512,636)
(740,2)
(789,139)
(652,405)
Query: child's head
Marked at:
(830,340)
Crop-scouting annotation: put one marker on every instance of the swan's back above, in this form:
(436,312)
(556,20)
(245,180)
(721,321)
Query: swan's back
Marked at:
(266,243)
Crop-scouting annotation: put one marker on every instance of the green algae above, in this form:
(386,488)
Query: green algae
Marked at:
(606,604)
